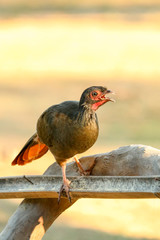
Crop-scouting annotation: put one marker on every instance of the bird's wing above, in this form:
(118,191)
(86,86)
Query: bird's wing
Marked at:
(54,123)
(32,150)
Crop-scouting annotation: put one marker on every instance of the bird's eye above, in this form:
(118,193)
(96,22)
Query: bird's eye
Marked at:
(94,94)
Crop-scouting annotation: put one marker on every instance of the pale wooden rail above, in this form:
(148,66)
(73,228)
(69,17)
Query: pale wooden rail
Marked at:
(81,187)
(128,172)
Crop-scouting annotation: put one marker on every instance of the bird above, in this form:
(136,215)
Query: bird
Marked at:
(66,129)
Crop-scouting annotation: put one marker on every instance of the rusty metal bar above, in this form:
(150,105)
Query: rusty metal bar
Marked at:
(81,187)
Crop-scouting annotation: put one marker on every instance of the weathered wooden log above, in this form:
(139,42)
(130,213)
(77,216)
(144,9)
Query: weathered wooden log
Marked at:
(34,216)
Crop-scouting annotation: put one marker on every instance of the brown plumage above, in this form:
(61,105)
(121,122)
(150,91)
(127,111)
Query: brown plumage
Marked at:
(66,129)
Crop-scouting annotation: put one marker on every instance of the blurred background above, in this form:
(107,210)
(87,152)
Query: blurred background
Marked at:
(50,51)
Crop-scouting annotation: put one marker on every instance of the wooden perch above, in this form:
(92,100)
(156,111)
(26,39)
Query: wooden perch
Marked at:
(34,216)
(81,187)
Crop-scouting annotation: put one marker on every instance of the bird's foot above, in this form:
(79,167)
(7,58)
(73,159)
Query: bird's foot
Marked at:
(88,171)
(64,190)
(83,172)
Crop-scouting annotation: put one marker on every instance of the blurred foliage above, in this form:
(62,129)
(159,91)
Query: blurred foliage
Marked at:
(16,7)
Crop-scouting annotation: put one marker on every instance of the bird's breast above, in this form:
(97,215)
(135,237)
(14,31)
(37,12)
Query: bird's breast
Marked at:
(85,136)
(66,136)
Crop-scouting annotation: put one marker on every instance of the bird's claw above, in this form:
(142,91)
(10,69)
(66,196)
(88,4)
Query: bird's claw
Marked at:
(88,171)
(85,172)
(64,190)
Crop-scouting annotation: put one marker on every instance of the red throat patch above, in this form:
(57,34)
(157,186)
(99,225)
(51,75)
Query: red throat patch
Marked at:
(96,105)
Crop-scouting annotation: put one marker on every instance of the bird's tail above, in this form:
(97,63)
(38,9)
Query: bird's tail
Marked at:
(32,150)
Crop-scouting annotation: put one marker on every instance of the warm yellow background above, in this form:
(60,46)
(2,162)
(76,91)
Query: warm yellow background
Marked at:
(47,57)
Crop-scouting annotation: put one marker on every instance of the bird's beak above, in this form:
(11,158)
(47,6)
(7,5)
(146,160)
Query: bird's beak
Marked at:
(109,91)
(107,98)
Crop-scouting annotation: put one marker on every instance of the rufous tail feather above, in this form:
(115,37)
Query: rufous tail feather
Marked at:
(32,150)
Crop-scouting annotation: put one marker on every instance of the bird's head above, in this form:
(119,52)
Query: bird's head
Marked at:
(94,97)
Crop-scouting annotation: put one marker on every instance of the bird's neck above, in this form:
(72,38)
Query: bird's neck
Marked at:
(86,115)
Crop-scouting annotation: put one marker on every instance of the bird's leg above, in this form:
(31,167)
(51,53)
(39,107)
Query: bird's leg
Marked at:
(65,186)
(82,171)
(79,165)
